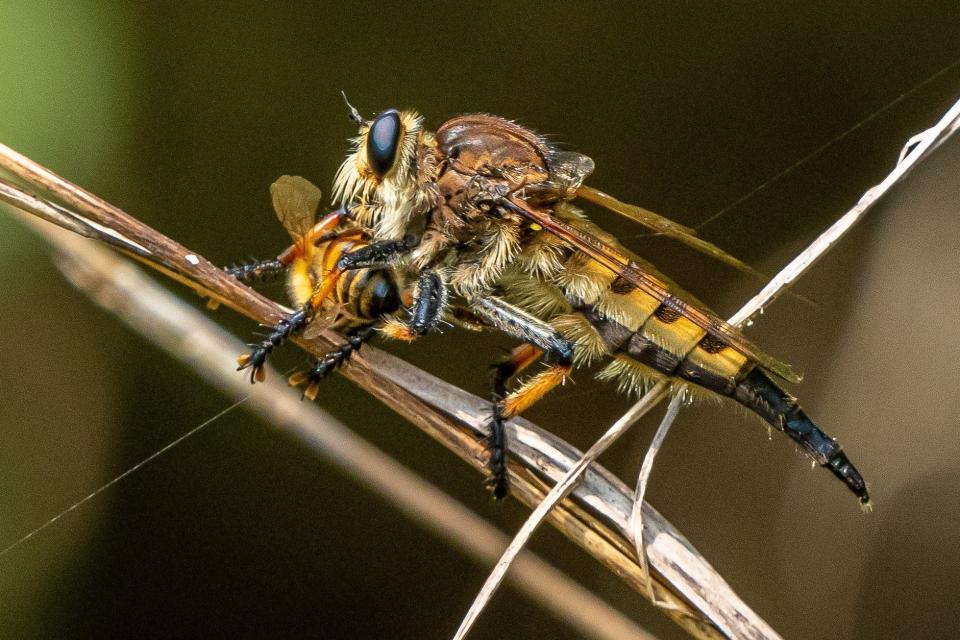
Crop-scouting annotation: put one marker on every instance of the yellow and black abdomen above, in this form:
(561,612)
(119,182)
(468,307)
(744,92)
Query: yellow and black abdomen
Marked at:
(669,345)
(360,295)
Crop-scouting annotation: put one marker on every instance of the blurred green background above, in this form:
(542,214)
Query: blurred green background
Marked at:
(184,113)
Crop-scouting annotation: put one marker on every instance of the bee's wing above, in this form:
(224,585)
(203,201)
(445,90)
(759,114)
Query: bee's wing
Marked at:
(295,200)
(659,224)
(621,264)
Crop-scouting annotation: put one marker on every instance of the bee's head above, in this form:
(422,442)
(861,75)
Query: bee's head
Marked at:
(378,179)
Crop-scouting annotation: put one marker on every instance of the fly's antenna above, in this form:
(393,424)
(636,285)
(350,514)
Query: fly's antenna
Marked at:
(354,114)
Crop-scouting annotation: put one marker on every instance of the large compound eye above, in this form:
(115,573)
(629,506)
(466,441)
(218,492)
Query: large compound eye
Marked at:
(382,141)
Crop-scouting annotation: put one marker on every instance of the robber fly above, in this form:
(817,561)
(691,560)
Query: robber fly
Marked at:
(481,213)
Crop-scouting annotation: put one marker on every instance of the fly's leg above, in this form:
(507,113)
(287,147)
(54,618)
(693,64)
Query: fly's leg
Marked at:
(333,359)
(426,312)
(519,359)
(540,338)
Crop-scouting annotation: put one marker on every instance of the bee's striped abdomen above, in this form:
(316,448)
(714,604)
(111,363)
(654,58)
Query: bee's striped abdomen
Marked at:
(364,294)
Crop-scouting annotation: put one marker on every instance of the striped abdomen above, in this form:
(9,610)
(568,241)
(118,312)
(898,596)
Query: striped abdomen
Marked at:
(667,344)
(361,294)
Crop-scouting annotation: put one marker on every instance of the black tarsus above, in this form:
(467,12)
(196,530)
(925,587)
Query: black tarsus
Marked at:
(427,309)
(497,442)
(497,445)
(334,359)
(281,331)
(557,350)
(376,255)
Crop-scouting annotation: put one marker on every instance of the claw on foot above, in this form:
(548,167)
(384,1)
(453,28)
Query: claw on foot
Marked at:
(254,361)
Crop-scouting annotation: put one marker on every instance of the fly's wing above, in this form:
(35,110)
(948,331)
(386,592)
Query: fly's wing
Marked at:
(295,200)
(619,263)
(568,170)
(665,226)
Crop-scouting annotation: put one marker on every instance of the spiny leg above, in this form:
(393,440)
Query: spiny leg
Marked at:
(333,359)
(372,255)
(519,359)
(558,354)
(426,312)
(256,359)
(251,272)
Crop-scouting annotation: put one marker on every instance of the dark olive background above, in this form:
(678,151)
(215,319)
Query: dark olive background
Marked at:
(183,113)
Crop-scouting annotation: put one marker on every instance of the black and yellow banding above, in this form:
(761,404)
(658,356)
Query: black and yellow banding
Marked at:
(645,339)
(664,346)
(315,283)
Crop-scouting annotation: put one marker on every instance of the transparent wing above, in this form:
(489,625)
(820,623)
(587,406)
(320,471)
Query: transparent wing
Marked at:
(568,170)
(633,273)
(295,200)
(659,224)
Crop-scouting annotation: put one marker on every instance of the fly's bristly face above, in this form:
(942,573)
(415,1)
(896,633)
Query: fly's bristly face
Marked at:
(380,180)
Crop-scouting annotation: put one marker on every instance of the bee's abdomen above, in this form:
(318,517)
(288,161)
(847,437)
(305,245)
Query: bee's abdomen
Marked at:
(366,294)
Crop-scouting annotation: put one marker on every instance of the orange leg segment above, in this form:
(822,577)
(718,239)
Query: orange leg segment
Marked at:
(531,391)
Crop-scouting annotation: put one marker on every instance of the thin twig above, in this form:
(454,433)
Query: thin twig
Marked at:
(797,267)
(556,494)
(595,516)
(636,515)
(199,343)
(922,144)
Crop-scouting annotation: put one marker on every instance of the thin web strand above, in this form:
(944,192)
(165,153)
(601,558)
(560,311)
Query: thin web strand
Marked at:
(816,152)
(120,477)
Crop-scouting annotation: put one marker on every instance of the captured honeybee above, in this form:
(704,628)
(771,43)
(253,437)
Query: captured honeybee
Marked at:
(355,306)
(481,213)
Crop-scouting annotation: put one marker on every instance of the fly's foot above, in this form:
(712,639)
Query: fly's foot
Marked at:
(257,358)
(255,361)
(497,448)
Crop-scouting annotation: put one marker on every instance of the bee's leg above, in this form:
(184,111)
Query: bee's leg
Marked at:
(256,359)
(332,360)
(426,312)
(541,338)
(259,269)
(251,272)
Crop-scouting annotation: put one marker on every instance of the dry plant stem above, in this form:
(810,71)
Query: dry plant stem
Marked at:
(200,344)
(556,494)
(921,144)
(596,515)
(636,516)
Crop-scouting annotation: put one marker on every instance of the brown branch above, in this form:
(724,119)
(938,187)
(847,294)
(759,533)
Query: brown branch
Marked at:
(191,337)
(596,515)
